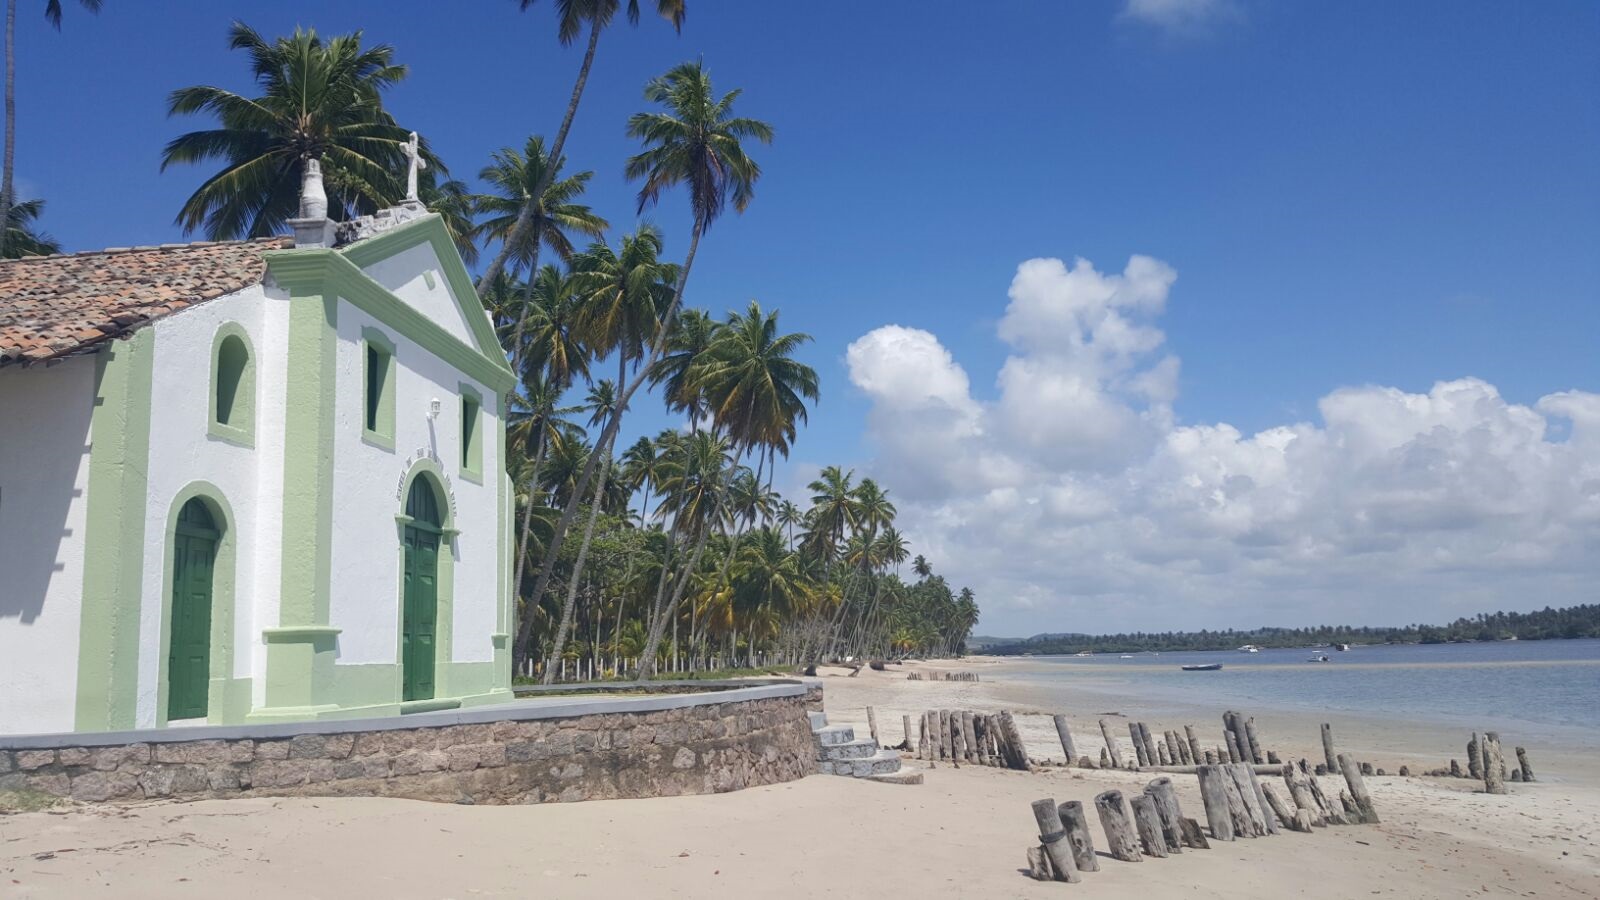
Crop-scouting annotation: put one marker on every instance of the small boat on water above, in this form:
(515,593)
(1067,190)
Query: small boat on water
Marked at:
(1202,667)
(1322,658)
(1341,646)
(1249,648)
(1126,656)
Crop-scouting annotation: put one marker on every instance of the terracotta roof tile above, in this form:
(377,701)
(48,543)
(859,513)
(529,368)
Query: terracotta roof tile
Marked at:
(53,306)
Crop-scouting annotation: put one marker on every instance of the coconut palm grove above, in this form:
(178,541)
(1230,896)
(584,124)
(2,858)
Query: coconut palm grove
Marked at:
(671,551)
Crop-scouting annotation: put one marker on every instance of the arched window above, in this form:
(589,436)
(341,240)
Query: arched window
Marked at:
(233,387)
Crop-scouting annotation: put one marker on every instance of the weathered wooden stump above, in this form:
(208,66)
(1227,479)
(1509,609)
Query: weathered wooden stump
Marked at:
(1138,744)
(905,727)
(1076,825)
(1065,734)
(1214,796)
(1149,744)
(1193,837)
(1147,822)
(1122,838)
(1475,757)
(1016,751)
(1358,790)
(872,727)
(1522,764)
(969,736)
(1250,737)
(1294,821)
(1111,744)
(1051,840)
(1195,753)
(1330,759)
(1170,813)
(1493,774)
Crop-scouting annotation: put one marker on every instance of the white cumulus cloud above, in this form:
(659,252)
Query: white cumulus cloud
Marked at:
(1071,497)
(1178,15)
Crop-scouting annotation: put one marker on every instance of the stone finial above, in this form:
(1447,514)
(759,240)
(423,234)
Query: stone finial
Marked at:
(313,196)
(313,228)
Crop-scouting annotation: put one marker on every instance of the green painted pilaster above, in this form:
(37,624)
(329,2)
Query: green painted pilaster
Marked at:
(301,649)
(113,577)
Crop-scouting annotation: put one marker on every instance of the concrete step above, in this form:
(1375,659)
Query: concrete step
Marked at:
(818,720)
(903,776)
(884,762)
(830,735)
(849,751)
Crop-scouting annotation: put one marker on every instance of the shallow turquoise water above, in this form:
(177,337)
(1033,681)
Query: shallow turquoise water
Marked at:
(1545,683)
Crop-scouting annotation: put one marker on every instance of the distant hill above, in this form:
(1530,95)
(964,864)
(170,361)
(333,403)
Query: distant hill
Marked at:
(982,642)
(1571,622)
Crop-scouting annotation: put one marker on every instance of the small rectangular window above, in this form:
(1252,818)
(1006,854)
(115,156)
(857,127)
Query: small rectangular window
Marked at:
(375,373)
(378,389)
(471,426)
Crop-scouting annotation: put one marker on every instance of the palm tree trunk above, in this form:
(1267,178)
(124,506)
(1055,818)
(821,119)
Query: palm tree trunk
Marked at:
(6,197)
(525,218)
(547,565)
(583,552)
(527,511)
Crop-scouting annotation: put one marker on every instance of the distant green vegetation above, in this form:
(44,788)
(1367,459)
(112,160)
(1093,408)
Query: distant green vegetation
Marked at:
(1572,622)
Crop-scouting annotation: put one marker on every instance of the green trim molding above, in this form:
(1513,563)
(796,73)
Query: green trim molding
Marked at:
(240,428)
(383,435)
(113,579)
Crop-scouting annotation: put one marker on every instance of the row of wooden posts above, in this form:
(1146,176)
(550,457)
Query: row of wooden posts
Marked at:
(943,676)
(589,668)
(959,735)
(1237,805)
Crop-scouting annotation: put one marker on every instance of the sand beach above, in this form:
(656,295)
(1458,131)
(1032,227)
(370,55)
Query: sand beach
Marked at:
(960,834)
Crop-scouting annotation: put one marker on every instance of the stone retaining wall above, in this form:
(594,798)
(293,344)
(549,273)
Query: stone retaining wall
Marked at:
(526,754)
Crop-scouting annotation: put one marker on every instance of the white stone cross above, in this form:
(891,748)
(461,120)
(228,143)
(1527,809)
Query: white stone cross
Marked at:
(414,163)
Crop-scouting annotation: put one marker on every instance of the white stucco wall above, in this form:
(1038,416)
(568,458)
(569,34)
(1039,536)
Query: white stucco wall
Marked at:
(367,478)
(250,480)
(44,475)
(406,275)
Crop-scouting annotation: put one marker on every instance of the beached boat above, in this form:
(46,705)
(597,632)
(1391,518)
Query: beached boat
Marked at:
(1202,667)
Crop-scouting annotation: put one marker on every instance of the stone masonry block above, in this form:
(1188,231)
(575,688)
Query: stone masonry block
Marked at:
(74,756)
(98,787)
(28,760)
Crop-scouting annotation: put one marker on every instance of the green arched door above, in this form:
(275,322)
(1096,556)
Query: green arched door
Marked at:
(194,556)
(420,591)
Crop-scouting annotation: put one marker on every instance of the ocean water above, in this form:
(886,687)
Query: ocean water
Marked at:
(1553,684)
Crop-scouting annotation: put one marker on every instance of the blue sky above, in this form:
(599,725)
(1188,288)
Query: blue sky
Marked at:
(1350,194)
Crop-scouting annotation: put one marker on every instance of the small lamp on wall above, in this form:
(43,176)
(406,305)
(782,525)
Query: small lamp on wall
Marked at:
(433,408)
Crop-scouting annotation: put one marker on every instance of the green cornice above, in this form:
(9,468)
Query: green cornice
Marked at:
(319,270)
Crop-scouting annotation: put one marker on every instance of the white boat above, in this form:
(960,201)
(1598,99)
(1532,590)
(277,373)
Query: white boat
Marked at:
(1084,653)
(1322,658)
(1249,648)
(1126,656)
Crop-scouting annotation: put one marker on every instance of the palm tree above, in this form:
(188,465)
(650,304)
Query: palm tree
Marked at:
(52,13)
(691,336)
(641,467)
(514,175)
(449,198)
(573,15)
(319,100)
(789,516)
(22,234)
(920,566)
(619,296)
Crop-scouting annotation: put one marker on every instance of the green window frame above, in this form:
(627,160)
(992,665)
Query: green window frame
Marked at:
(377,388)
(471,434)
(232,410)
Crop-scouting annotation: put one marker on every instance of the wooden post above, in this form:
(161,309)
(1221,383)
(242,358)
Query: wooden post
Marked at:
(1474,758)
(872,726)
(1254,807)
(980,732)
(1358,789)
(1296,821)
(1256,755)
(958,738)
(1300,793)
(1195,752)
(1111,744)
(1079,836)
(946,751)
(1050,840)
(1330,759)
(1261,797)
(905,726)
(1522,763)
(1493,772)
(1333,812)
(1017,751)
(1122,839)
(1138,744)
(1193,837)
(1165,797)
(969,736)
(1065,734)
(1148,823)
(1038,866)
(1149,745)
(1231,740)
(1214,796)
(1244,824)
